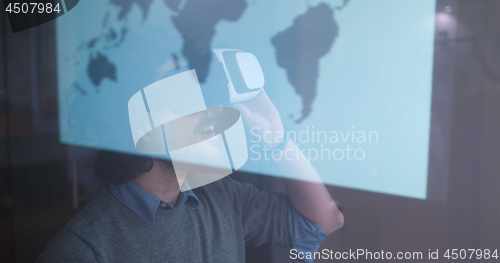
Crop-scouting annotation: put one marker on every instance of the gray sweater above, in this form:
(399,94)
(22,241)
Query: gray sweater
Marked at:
(230,215)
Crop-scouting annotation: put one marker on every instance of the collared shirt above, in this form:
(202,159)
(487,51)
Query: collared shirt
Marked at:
(306,236)
(145,204)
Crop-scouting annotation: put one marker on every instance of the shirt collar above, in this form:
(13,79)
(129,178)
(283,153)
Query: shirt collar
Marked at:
(145,204)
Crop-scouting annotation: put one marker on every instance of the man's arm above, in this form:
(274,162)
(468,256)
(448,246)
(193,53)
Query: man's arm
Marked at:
(311,199)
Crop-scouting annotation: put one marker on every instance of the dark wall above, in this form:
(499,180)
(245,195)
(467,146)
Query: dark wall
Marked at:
(37,196)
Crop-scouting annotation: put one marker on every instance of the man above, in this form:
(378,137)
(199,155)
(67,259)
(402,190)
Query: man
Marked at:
(142,216)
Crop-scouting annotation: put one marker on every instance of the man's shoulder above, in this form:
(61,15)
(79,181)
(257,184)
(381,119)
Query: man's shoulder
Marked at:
(101,210)
(66,246)
(76,240)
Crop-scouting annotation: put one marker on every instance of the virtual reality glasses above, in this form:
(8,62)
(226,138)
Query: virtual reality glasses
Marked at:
(243,72)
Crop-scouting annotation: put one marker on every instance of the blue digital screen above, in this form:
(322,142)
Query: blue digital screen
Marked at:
(351,79)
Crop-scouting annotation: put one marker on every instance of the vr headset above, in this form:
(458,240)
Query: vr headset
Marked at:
(244,74)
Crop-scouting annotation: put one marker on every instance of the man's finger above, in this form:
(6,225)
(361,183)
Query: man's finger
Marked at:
(247,115)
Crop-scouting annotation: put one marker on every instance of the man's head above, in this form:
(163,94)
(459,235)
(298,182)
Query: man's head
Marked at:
(117,168)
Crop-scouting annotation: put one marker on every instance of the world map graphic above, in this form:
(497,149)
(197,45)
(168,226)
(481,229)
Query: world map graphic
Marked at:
(298,48)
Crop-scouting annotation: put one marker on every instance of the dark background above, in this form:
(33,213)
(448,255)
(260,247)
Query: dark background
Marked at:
(44,183)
